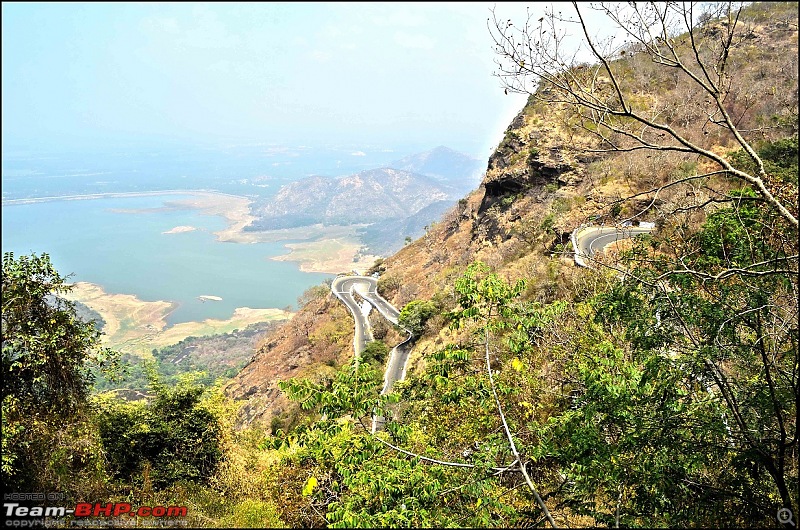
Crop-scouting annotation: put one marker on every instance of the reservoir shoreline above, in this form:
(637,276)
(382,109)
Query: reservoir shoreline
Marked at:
(136,324)
(110,195)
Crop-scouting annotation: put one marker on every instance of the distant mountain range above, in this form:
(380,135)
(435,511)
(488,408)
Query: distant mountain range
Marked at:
(366,197)
(456,170)
(398,201)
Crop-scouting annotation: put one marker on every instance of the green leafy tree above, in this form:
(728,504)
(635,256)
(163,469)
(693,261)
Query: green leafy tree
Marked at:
(375,352)
(48,354)
(683,385)
(488,299)
(415,314)
(174,436)
(336,467)
(449,457)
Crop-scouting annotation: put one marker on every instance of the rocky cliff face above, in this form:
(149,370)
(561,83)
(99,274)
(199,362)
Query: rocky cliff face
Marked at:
(535,152)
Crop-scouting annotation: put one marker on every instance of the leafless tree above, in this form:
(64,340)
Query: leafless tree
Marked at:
(697,45)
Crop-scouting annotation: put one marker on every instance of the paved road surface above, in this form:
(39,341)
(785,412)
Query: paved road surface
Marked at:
(593,240)
(344,287)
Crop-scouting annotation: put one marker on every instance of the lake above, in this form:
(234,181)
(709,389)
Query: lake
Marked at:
(120,243)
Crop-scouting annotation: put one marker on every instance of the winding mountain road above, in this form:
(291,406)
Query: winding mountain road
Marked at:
(590,240)
(586,240)
(345,287)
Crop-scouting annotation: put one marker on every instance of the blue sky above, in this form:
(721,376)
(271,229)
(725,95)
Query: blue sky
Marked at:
(82,74)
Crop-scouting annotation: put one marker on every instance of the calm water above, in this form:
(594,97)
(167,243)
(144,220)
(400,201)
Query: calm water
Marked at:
(129,253)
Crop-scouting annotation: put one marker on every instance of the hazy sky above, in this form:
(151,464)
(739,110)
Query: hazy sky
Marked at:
(78,74)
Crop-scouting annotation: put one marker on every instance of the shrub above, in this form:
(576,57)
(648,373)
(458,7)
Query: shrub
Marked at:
(375,352)
(415,314)
(174,436)
(388,285)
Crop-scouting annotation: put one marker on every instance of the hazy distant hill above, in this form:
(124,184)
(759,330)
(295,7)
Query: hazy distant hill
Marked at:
(366,197)
(459,171)
(387,237)
(396,201)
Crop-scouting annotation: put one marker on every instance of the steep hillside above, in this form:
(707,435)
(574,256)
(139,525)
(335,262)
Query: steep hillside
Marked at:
(542,182)
(319,337)
(657,388)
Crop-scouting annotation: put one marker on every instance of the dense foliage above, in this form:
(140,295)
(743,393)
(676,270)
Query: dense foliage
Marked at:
(651,414)
(47,356)
(415,314)
(173,436)
(375,352)
(58,438)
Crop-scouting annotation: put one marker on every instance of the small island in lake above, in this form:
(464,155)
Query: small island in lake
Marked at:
(204,297)
(180,229)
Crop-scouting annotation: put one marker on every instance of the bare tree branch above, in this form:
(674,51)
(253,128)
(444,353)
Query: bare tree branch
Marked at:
(558,79)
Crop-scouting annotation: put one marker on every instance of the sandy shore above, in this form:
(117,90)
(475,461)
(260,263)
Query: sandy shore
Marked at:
(331,256)
(234,208)
(136,326)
